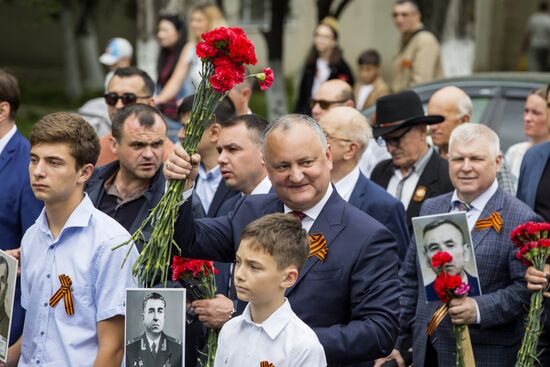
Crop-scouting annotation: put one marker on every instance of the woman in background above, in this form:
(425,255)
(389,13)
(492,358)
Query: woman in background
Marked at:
(324,62)
(535,126)
(186,72)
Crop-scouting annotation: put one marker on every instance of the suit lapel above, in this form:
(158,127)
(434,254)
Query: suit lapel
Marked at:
(222,192)
(9,150)
(329,223)
(494,204)
(356,197)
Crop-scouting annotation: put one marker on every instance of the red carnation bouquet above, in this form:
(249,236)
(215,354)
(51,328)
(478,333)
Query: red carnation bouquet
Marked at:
(224,53)
(197,276)
(533,242)
(448,287)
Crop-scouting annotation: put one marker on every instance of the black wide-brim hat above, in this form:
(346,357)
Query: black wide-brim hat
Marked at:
(396,111)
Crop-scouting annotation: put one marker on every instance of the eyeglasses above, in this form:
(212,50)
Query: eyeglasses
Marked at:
(393,141)
(127,98)
(324,104)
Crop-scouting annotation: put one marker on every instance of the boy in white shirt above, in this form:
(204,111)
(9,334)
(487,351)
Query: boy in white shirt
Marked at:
(268,333)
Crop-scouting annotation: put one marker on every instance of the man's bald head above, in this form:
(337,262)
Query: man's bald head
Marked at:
(332,93)
(456,107)
(346,124)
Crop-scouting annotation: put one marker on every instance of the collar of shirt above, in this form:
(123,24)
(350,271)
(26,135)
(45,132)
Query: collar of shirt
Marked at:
(263,187)
(151,341)
(478,204)
(275,323)
(80,217)
(112,189)
(213,174)
(346,184)
(6,138)
(313,212)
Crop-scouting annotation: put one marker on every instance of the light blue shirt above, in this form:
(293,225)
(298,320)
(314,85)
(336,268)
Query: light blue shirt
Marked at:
(83,252)
(207,184)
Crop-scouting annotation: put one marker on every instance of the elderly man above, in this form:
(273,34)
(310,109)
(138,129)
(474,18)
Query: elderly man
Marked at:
(418,60)
(348,290)
(456,108)
(348,132)
(128,86)
(415,171)
(496,318)
(337,93)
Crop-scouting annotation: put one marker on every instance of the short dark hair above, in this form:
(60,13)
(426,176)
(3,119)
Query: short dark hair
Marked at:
(71,129)
(5,262)
(412,2)
(144,113)
(281,236)
(369,57)
(225,110)
(153,295)
(130,71)
(438,223)
(9,92)
(254,123)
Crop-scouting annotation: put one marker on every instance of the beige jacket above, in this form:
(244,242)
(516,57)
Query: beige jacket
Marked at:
(380,89)
(418,62)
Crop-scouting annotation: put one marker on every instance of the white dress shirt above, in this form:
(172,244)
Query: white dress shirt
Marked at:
(282,340)
(263,187)
(476,208)
(313,212)
(409,184)
(207,184)
(374,154)
(6,138)
(345,186)
(364,92)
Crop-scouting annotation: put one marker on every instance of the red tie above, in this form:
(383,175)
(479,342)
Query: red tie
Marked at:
(298,215)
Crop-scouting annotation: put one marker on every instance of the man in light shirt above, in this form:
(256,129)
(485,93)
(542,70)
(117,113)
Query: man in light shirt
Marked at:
(348,132)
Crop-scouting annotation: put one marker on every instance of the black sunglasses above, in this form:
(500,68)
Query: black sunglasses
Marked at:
(324,104)
(127,98)
(393,140)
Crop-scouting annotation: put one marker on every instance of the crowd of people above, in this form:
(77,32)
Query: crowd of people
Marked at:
(308,217)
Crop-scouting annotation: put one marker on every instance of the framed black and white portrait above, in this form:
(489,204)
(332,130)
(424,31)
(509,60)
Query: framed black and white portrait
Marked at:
(155,327)
(8,277)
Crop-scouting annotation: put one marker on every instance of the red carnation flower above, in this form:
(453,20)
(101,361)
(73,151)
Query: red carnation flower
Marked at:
(205,50)
(218,38)
(441,258)
(266,78)
(241,50)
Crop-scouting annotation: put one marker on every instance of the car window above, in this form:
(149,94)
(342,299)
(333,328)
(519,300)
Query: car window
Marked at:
(509,126)
(479,104)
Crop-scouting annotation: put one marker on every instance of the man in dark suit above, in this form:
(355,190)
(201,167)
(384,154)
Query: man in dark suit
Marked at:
(496,318)
(415,172)
(18,206)
(348,290)
(348,132)
(534,179)
(154,348)
(211,191)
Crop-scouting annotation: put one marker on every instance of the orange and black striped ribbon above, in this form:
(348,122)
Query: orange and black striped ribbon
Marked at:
(493,221)
(438,316)
(266,364)
(64,292)
(318,246)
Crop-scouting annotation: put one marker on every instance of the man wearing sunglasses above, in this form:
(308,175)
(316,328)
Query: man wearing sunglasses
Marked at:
(415,171)
(128,86)
(337,93)
(418,60)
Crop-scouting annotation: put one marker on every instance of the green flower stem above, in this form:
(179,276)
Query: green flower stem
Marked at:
(154,260)
(458,330)
(527,355)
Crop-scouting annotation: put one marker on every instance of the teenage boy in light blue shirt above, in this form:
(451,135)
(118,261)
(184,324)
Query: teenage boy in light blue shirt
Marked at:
(73,285)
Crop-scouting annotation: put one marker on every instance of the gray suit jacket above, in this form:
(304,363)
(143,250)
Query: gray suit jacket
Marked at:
(504,296)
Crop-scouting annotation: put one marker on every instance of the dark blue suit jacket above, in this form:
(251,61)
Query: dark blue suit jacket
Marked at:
(376,202)
(351,300)
(532,167)
(18,210)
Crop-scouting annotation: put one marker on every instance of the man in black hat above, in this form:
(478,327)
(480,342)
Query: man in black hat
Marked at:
(415,171)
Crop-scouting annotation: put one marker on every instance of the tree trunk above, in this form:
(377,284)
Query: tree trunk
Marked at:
(276,95)
(73,87)
(88,46)
(147,46)
(324,9)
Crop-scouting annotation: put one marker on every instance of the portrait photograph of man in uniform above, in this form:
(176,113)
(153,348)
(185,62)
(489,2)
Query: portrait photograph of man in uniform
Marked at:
(446,233)
(8,277)
(155,321)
